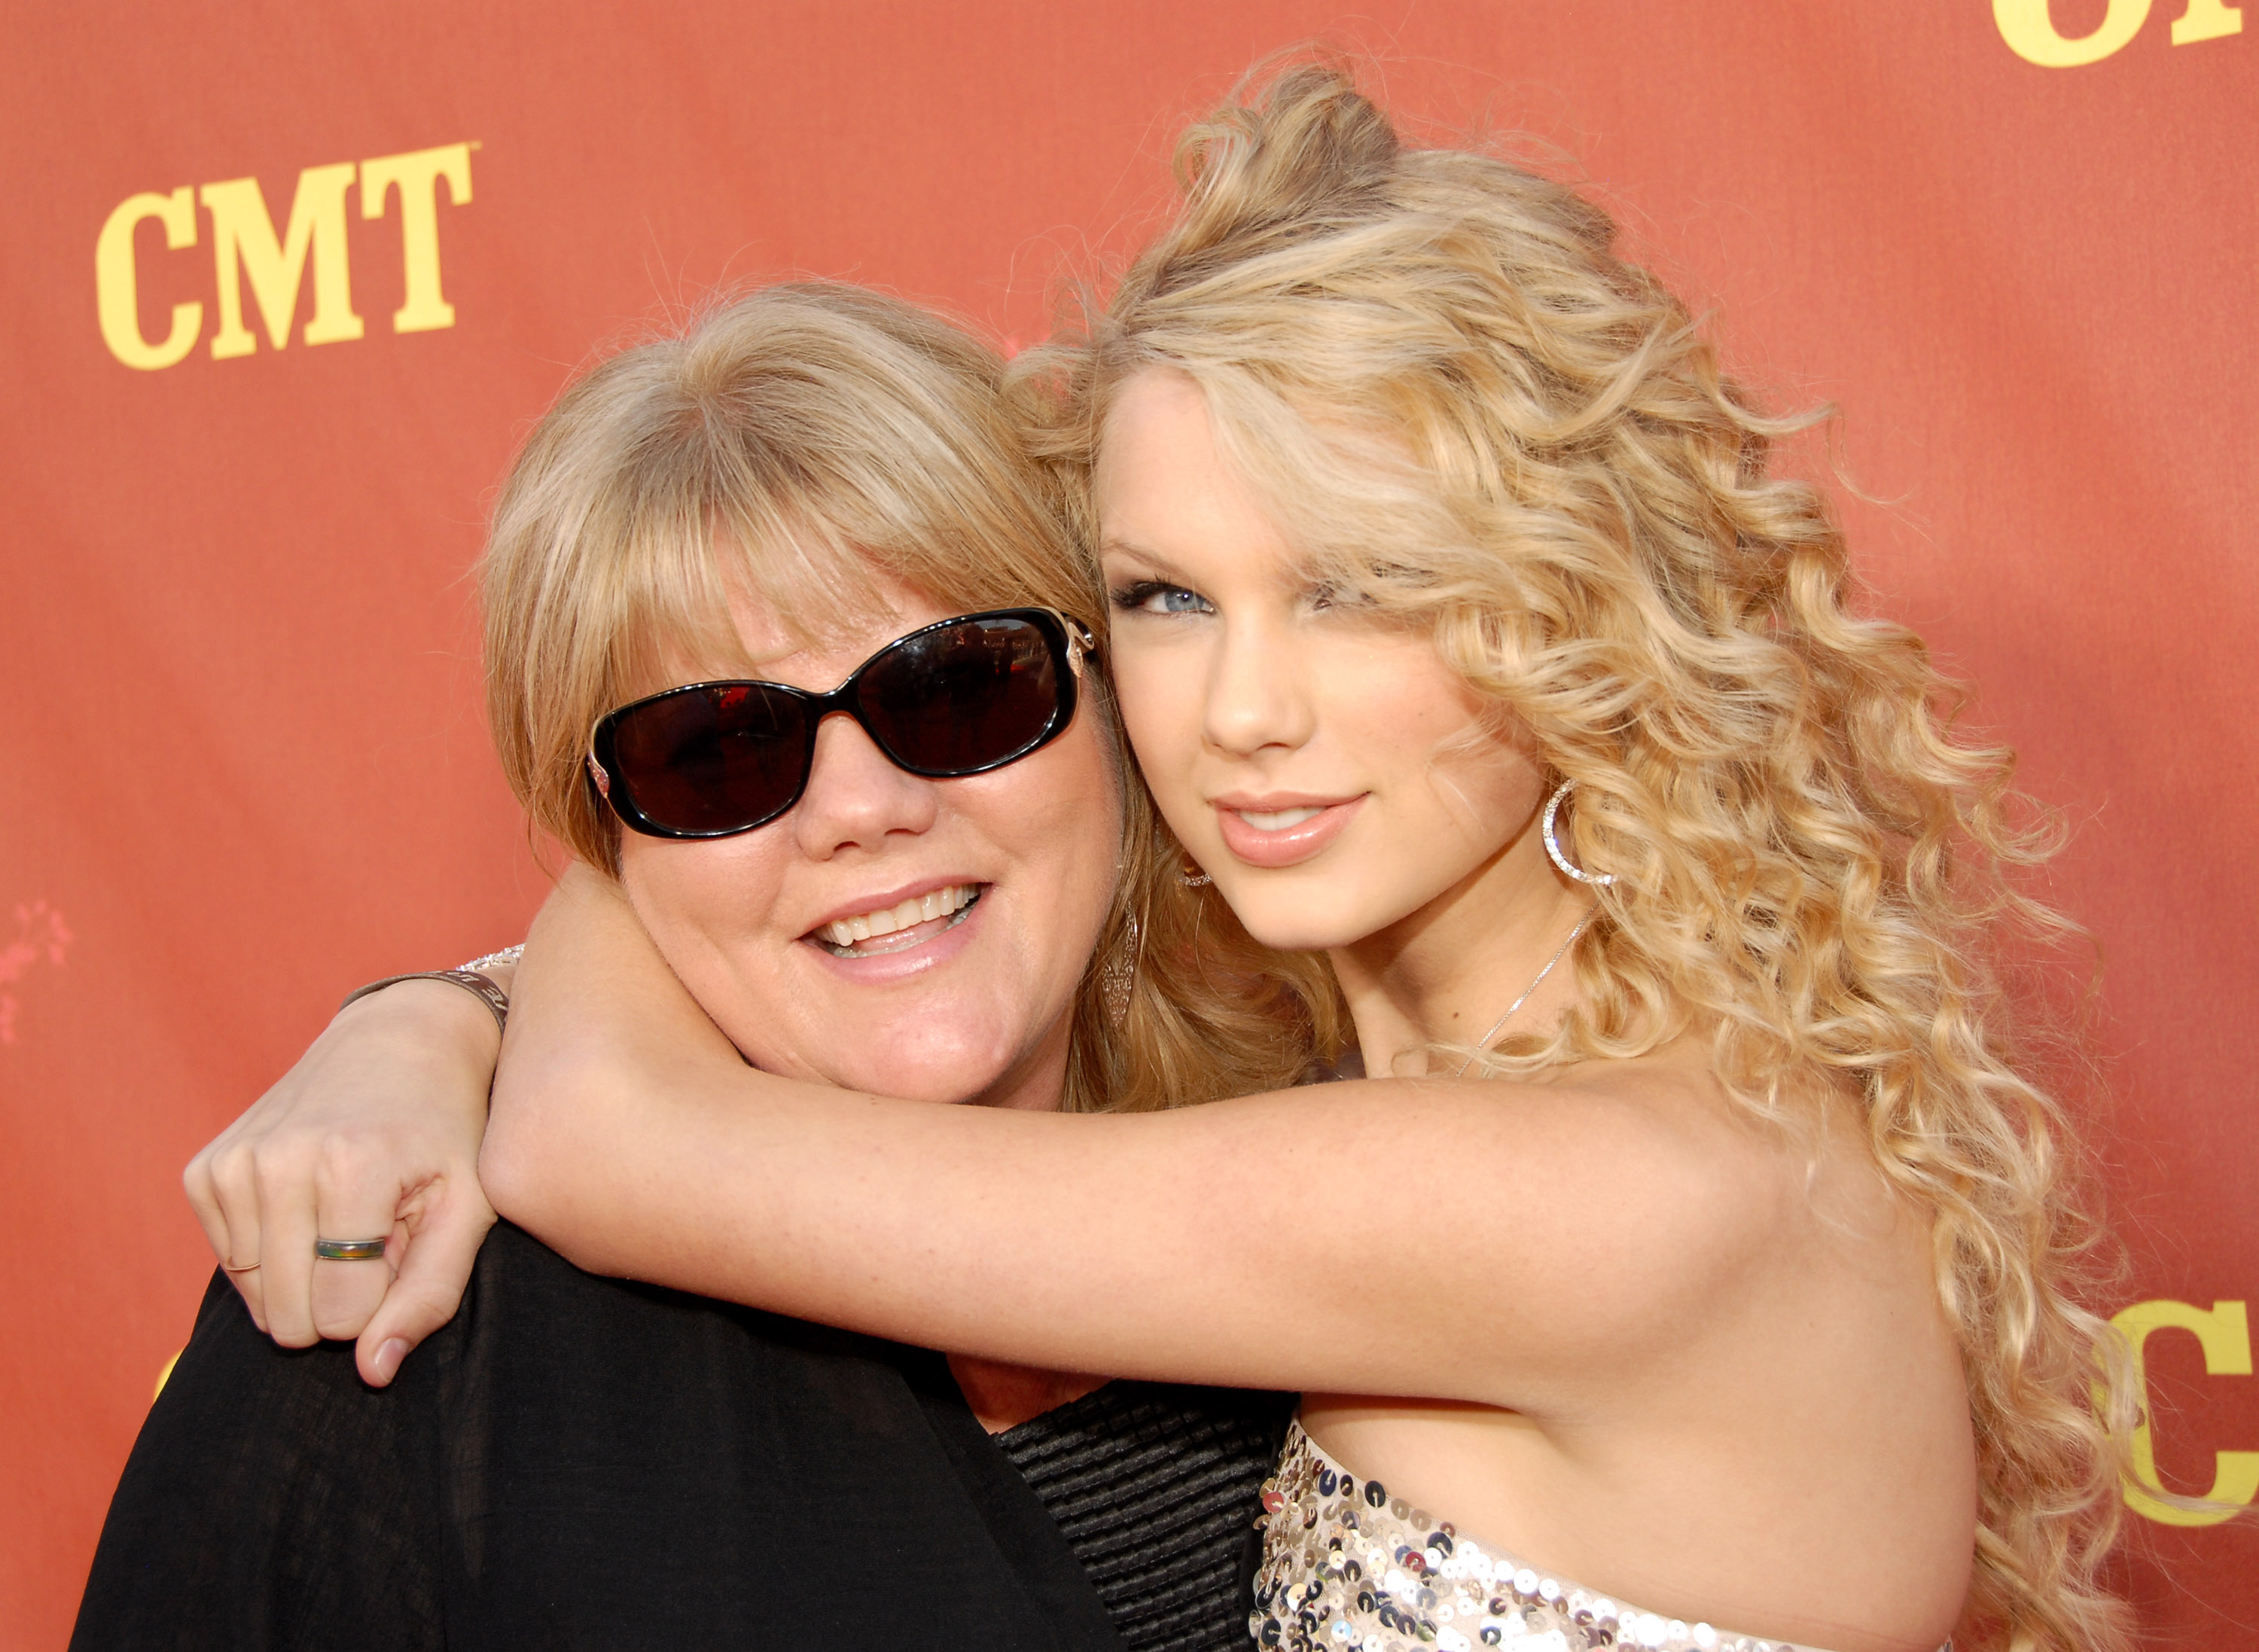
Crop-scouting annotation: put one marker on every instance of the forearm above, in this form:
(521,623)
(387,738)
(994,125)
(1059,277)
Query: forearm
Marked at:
(1176,1246)
(1232,1243)
(789,1196)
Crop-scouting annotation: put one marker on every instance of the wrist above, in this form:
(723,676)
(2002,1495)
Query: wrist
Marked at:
(480,986)
(429,1008)
(500,967)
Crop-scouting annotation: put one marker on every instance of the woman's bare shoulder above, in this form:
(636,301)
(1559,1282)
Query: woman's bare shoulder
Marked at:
(1759,1214)
(1638,1200)
(1659,1128)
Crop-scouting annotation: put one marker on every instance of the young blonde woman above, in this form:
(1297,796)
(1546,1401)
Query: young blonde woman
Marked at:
(1693,1267)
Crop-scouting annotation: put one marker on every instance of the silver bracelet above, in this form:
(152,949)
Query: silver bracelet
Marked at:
(470,980)
(507,955)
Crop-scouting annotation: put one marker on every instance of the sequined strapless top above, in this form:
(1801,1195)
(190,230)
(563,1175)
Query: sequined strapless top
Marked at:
(1348,1568)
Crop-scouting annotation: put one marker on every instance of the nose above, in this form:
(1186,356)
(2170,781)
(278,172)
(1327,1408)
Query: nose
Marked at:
(857,799)
(1256,694)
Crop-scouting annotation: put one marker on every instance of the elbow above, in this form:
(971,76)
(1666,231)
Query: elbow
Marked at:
(509,1173)
(538,1162)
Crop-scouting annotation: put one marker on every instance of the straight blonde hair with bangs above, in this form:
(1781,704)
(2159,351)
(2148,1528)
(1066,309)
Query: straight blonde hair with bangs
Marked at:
(1466,409)
(796,449)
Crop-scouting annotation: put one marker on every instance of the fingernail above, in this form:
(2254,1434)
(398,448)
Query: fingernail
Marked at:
(390,1356)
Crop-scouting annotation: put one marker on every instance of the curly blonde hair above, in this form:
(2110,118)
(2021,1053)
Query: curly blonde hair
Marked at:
(794,446)
(1464,405)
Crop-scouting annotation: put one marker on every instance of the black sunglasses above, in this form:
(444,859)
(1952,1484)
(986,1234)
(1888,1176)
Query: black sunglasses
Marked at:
(960,696)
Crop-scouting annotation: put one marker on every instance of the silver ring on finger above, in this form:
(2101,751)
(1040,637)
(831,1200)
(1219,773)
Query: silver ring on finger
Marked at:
(349,1249)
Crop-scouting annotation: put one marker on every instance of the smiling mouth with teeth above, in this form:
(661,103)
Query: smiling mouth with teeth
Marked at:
(1280,820)
(896,928)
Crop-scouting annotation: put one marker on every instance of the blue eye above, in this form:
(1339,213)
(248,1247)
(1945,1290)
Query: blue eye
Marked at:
(1151,596)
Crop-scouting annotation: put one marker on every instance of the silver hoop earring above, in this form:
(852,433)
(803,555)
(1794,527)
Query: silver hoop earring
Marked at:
(1192,877)
(1119,976)
(1569,868)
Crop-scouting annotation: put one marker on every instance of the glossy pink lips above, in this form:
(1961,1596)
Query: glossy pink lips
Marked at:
(1288,845)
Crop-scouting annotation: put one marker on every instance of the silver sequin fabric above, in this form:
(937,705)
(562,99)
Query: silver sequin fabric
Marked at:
(1348,1568)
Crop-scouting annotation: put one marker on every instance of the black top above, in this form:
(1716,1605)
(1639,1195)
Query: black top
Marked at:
(578,1462)
(1157,1488)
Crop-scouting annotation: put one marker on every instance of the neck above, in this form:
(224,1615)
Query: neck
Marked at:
(1446,973)
(1005,1396)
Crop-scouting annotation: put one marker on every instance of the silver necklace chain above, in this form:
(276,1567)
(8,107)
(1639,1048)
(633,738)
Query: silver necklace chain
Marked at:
(1536,981)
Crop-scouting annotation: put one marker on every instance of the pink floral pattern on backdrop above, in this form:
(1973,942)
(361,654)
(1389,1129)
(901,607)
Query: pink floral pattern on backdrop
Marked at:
(40,934)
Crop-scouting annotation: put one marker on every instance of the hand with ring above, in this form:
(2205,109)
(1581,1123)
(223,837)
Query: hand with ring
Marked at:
(346,1203)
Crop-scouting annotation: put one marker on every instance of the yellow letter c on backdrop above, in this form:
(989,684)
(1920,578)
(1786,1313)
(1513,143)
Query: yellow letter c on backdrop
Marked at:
(117,287)
(2028,27)
(2030,32)
(2224,1334)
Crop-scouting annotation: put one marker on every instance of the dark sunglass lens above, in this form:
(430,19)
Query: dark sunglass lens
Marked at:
(713,760)
(966,697)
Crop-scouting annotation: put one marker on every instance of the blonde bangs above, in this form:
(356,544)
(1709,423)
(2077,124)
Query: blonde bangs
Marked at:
(780,453)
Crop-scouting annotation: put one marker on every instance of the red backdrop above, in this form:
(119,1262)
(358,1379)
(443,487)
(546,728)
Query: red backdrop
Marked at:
(243,763)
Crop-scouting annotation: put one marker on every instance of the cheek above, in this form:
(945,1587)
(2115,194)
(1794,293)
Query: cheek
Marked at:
(698,898)
(1059,816)
(1078,799)
(1487,791)
(1408,709)
(1479,787)
(1160,701)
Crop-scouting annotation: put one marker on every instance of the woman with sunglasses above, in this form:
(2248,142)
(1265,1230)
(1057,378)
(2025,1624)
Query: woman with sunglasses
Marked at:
(704,554)
(1703,1259)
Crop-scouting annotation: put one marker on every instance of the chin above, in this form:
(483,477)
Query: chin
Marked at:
(1299,931)
(917,1066)
(942,1081)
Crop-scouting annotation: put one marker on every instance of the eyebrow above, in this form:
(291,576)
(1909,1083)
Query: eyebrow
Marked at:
(1169,571)
(1153,559)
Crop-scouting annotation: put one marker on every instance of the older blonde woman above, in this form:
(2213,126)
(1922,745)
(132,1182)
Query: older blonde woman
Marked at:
(1697,1253)
(815,484)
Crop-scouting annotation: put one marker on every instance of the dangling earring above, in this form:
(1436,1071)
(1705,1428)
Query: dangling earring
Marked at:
(1192,877)
(1569,868)
(1119,976)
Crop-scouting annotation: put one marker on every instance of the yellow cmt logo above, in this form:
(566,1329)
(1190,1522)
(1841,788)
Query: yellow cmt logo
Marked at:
(245,247)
